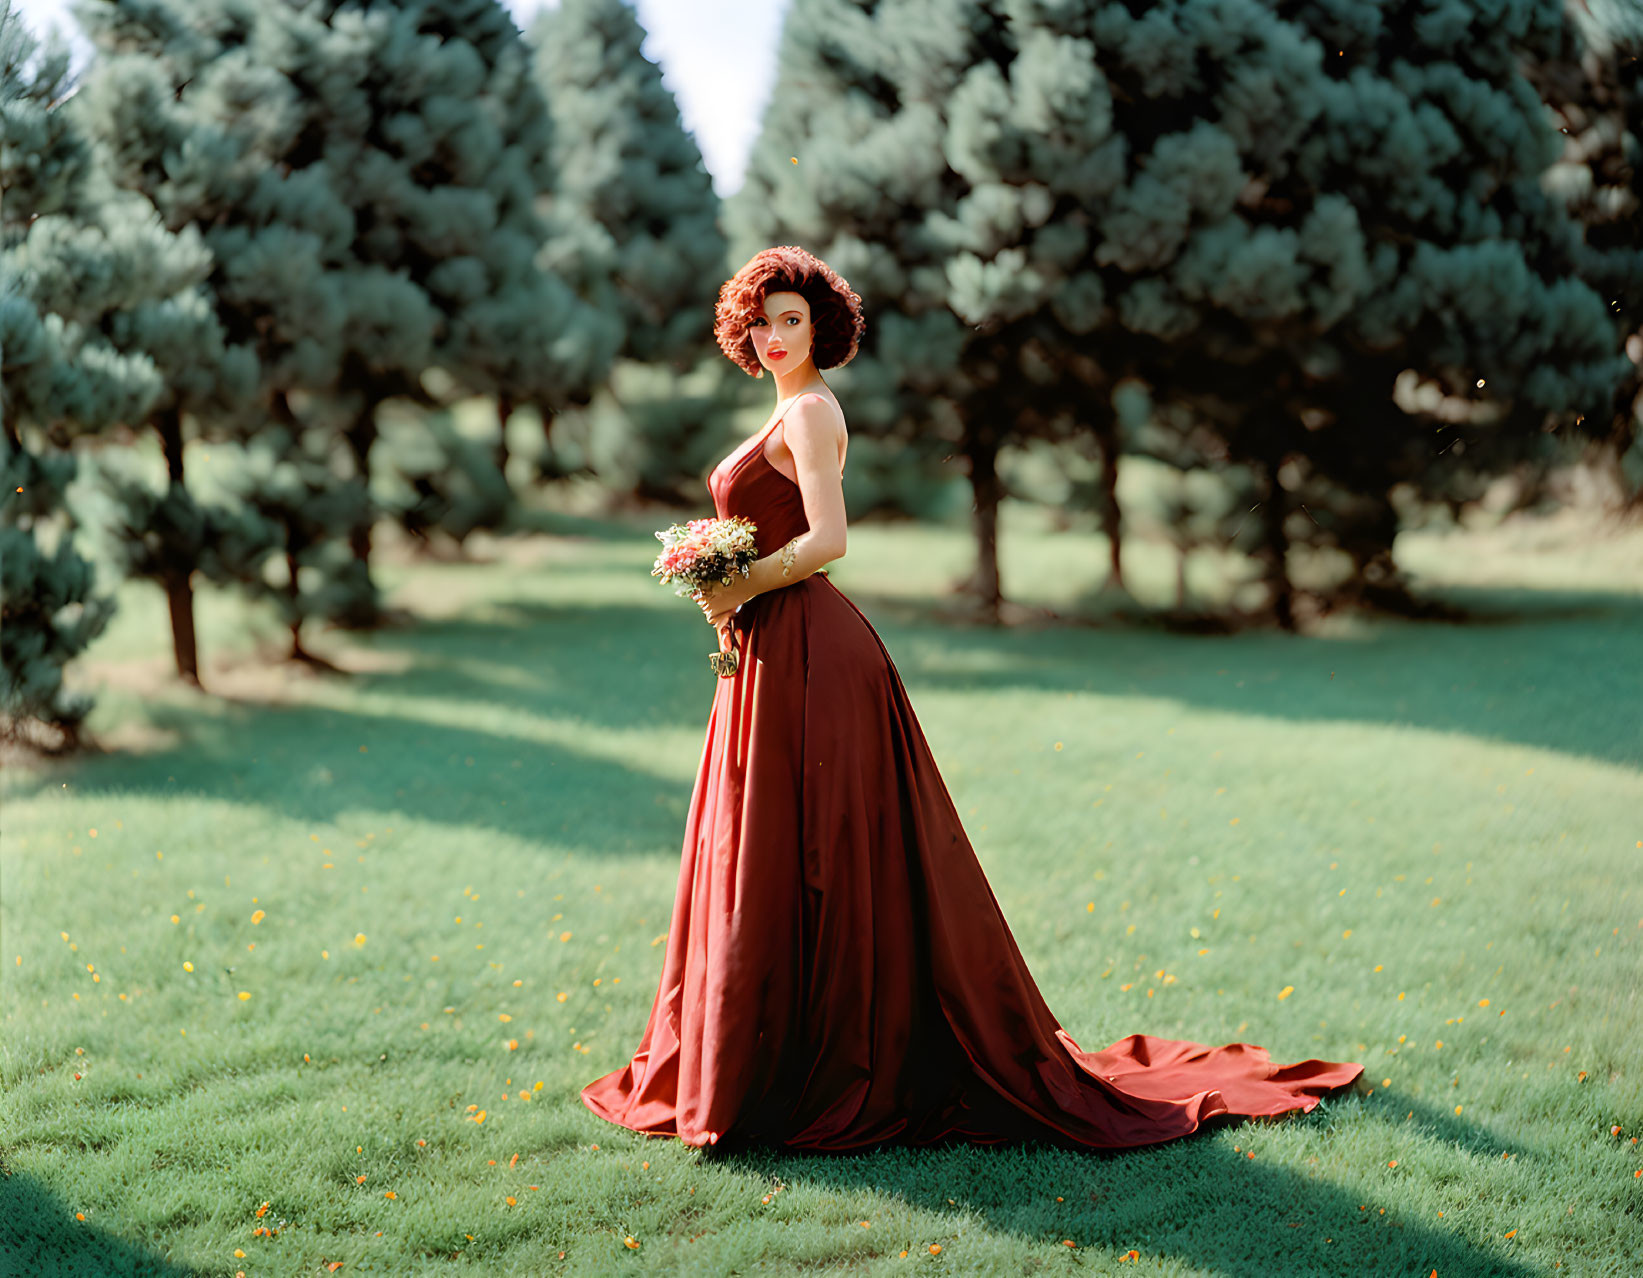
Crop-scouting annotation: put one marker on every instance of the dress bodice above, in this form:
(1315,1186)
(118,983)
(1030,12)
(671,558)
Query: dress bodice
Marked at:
(751,487)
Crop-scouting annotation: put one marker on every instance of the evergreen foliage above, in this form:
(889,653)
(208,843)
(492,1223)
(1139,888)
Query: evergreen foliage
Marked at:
(287,478)
(366,174)
(450,484)
(83,275)
(111,264)
(1266,213)
(636,229)
(1596,94)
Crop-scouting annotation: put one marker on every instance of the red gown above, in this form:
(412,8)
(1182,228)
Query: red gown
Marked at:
(838,973)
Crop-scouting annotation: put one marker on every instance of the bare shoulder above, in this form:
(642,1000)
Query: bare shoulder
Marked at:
(817,414)
(819,422)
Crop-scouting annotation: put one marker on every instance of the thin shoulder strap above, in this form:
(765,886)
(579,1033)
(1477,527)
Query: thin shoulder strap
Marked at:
(791,407)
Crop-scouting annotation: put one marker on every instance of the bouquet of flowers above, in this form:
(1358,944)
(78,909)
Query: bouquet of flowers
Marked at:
(703,551)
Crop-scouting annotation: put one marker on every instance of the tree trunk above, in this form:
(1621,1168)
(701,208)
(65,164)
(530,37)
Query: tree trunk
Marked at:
(297,652)
(1377,580)
(361,434)
(1622,436)
(179,585)
(547,469)
(179,593)
(981,447)
(1275,547)
(504,410)
(295,539)
(361,613)
(1104,425)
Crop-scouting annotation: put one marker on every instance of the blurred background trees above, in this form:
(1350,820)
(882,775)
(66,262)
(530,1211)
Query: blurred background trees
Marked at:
(636,225)
(78,266)
(1320,229)
(1335,270)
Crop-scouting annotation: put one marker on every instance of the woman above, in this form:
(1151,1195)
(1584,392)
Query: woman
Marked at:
(838,973)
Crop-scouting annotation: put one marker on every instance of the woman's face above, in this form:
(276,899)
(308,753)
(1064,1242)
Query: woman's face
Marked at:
(781,336)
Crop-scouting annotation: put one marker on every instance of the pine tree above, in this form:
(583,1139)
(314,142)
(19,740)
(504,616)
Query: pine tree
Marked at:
(636,232)
(1262,212)
(120,272)
(289,480)
(167,536)
(451,484)
(365,174)
(1596,94)
(70,268)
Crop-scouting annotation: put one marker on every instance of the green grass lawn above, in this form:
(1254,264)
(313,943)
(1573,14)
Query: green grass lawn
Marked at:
(310,970)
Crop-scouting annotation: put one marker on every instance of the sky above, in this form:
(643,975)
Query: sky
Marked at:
(718,57)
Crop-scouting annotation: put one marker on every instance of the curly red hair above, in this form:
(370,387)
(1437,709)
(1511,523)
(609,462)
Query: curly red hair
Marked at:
(835,308)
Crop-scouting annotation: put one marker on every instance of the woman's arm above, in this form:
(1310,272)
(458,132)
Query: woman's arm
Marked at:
(812,433)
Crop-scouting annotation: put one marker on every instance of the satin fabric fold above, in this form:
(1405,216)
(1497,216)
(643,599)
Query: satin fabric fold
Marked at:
(838,973)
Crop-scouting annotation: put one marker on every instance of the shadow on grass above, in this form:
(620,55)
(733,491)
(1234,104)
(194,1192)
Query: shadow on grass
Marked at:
(1542,677)
(306,763)
(615,666)
(1198,1200)
(1544,683)
(40,1237)
(1397,1109)
(1536,668)
(1531,666)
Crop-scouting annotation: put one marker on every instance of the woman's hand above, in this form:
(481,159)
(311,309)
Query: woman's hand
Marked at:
(719,601)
